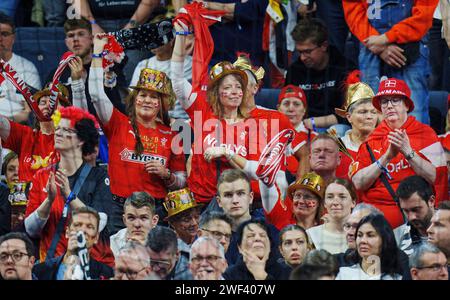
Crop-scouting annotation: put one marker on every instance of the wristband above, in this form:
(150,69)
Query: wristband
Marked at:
(313,123)
(99,55)
(410,155)
(183,32)
(133,23)
(383,169)
(92,22)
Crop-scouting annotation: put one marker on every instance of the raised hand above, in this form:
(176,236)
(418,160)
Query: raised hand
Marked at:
(400,140)
(255,265)
(76,68)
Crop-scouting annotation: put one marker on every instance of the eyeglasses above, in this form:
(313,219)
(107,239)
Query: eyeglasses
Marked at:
(218,235)
(307,51)
(16,256)
(308,199)
(435,267)
(348,226)
(66,131)
(211,259)
(131,275)
(81,34)
(6,33)
(161,264)
(394,101)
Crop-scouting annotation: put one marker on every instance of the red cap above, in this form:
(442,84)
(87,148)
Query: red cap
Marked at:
(393,87)
(292,91)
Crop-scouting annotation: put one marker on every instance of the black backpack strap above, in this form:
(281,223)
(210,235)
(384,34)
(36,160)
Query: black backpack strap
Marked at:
(386,183)
(62,221)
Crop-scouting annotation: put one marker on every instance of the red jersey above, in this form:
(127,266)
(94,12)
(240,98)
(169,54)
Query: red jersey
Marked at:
(305,136)
(424,142)
(202,180)
(35,149)
(343,169)
(281,215)
(126,168)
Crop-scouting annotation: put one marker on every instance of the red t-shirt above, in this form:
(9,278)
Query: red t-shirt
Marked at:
(126,169)
(281,215)
(202,180)
(424,142)
(35,149)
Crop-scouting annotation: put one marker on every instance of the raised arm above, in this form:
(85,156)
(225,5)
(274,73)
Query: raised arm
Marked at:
(101,102)
(142,13)
(5,128)
(78,88)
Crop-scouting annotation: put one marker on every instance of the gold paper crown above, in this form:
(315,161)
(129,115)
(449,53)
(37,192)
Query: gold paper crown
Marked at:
(355,92)
(243,63)
(63,95)
(310,181)
(179,201)
(223,69)
(154,80)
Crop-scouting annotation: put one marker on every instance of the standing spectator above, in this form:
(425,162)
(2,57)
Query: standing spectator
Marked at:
(258,261)
(75,135)
(139,217)
(55,12)
(294,245)
(375,244)
(207,259)
(140,142)
(320,71)
(340,198)
(324,158)
(165,259)
(392,44)
(133,263)
(439,230)
(16,257)
(399,147)
(109,16)
(428,263)
(12,103)
(216,225)
(86,220)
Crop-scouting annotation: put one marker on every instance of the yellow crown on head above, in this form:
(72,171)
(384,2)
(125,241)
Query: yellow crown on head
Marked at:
(222,69)
(243,63)
(310,181)
(179,201)
(355,92)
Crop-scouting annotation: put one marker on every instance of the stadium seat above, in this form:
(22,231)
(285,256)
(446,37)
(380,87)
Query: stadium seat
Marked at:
(43,46)
(438,107)
(267,98)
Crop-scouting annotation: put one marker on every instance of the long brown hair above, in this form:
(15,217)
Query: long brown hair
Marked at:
(130,102)
(214,98)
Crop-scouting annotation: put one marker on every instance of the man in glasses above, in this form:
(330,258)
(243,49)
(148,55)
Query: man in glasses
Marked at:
(427,262)
(216,225)
(12,103)
(16,257)
(320,71)
(165,259)
(207,259)
(133,263)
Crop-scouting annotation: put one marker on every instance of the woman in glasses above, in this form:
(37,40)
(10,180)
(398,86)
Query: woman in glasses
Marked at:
(399,147)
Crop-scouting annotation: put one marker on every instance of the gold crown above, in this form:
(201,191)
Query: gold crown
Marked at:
(223,69)
(63,95)
(179,201)
(243,63)
(310,181)
(355,92)
(154,80)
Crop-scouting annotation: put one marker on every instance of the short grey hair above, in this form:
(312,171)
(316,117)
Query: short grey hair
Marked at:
(134,246)
(207,239)
(364,206)
(353,106)
(415,259)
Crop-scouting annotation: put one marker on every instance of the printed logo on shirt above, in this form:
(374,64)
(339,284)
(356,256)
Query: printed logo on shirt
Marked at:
(401,165)
(318,86)
(211,141)
(150,143)
(163,142)
(131,156)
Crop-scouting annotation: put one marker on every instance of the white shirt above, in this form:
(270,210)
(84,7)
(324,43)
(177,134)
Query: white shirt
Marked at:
(117,241)
(355,272)
(348,142)
(11,101)
(324,239)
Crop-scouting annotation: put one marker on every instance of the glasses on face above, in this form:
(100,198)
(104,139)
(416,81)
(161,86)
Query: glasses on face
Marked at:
(161,264)
(81,34)
(6,33)
(131,275)
(211,259)
(65,131)
(348,226)
(189,218)
(394,101)
(219,235)
(308,199)
(307,52)
(16,256)
(435,267)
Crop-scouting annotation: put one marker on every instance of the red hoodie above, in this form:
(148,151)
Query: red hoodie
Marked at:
(424,142)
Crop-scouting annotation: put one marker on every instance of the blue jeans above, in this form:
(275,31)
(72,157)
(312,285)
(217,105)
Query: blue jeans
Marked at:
(439,58)
(55,12)
(415,75)
(9,7)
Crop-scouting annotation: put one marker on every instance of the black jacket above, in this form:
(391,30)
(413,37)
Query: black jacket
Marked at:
(274,269)
(49,269)
(5,210)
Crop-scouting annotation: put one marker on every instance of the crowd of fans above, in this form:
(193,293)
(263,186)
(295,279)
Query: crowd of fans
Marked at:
(346,180)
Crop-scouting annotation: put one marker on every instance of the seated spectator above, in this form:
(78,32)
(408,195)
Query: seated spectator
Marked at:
(12,104)
(320,71)
(340,198)
(399,147)
(207,259)
(428,263)
(165,259)
(133,263)
(87,220)
(439,230)
(216,225)
(16,257)
(325,157)
(375,244)
(257,261)
(5,210)
(294,245)
(317,265)
(139,218)
(75,135)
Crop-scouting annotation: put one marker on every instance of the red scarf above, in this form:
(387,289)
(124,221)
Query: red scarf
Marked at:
(200,18)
